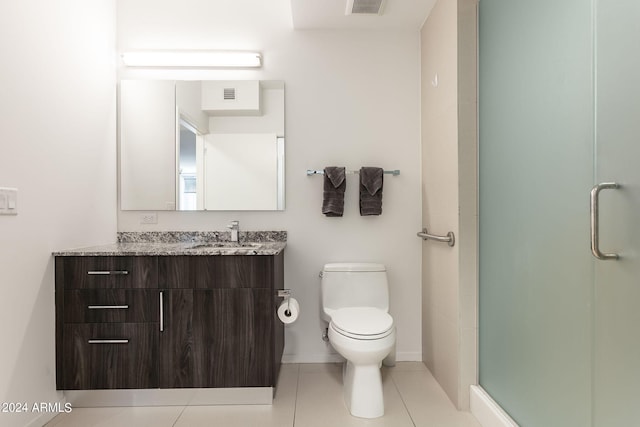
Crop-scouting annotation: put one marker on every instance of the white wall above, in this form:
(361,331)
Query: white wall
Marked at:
(270,120)
(144,106)
(440,195)
(57,105)
(188,99)
(449,190)
(352,99)
(250,162)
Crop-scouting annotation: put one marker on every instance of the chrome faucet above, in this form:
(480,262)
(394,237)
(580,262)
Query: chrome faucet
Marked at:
(235,228)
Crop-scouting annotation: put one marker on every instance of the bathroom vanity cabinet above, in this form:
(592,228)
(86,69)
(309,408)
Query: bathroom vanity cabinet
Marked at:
(137,322)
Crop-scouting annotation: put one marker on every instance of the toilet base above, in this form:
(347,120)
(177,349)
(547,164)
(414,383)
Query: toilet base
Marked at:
(363,390)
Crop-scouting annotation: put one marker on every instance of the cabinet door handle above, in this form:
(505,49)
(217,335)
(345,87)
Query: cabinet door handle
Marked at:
(108,273)
(107,307)
(108,341)
(161,311)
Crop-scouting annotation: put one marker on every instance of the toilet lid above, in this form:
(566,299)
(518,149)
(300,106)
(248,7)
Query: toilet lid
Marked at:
(362,321)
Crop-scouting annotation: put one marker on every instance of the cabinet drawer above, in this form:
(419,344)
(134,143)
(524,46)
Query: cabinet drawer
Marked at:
(215,272)
(111,305)
(107,272)
(108,356)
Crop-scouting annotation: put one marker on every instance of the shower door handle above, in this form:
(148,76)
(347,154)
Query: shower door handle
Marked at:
(595,222)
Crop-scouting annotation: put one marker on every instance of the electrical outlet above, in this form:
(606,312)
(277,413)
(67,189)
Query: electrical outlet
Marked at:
(149,218)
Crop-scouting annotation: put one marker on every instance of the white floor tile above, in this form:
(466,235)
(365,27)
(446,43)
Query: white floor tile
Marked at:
(308,395)
(319,368)
(320,403)
(427,403)
(235,416)
(153,416)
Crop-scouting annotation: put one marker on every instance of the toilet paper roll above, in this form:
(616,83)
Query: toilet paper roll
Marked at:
(289,310)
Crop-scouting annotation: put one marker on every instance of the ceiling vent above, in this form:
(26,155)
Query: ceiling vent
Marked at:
(229,93)
(365,7)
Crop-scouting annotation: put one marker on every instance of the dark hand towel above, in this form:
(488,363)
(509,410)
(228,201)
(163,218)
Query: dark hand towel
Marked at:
(334,186)
(371,180)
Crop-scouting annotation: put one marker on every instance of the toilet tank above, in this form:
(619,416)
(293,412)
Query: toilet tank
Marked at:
(353,285)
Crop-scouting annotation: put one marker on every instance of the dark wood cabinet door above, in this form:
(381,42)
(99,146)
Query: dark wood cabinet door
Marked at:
(233,337)
(176,366)
(110,356)
(217,338)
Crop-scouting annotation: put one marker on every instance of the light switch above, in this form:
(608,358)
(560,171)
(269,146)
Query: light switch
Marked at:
(8,201)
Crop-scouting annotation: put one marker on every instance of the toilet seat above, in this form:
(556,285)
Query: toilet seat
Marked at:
(362,323)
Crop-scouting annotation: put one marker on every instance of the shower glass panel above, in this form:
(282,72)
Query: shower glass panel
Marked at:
(559,113)
(616,395)
(536,154)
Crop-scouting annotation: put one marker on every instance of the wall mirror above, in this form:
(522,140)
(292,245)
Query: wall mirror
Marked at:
(201,145)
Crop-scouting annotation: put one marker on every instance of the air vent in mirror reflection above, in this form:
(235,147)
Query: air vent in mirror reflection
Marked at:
(230,93)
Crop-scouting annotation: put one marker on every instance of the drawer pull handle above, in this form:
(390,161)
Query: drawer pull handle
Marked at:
(161,311)
(108,341)
(108,273)
(107,307)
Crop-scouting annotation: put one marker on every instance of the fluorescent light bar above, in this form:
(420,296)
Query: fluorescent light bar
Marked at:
(191,59)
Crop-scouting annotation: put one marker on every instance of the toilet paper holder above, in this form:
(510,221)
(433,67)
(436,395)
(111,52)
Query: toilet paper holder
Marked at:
(286,294)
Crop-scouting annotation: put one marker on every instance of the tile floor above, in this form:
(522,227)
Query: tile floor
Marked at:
(308,395)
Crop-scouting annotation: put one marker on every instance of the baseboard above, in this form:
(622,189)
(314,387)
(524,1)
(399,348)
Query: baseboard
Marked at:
(487,411)
(409,356)
(312,358)
(42,419)
(170,397)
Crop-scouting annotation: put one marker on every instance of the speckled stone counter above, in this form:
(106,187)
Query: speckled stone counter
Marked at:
(186,243)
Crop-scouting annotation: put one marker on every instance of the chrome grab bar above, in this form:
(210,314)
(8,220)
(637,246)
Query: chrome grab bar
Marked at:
(449,238)
(595,221)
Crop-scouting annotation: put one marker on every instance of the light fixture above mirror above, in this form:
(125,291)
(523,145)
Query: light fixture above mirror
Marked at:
(192,58)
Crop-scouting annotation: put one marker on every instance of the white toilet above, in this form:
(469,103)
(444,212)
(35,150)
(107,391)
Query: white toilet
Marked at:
(355,302)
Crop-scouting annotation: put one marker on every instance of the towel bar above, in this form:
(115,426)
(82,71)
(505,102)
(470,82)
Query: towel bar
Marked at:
(449,238)
(395,172)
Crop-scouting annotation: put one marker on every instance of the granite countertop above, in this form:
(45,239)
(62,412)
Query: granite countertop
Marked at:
(185,243)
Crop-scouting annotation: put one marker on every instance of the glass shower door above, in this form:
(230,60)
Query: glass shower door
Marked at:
(536,170)
(616,395)
(560,112)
